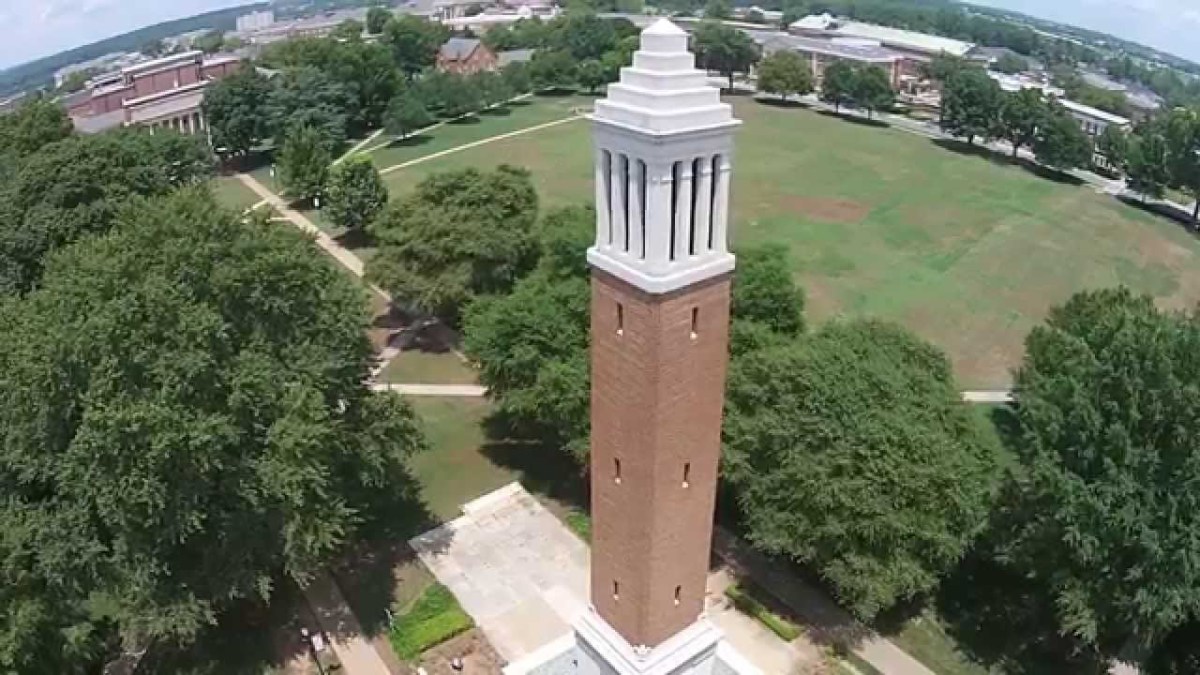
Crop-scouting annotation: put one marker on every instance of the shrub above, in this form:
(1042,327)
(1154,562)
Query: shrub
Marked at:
(744,599)
(430,620)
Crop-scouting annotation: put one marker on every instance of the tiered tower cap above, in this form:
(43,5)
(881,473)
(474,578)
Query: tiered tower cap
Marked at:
(663,92)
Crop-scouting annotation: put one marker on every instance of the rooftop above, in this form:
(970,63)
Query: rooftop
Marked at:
(872,52)
(164,62)
(1095,113)
(458,49)
(893,37)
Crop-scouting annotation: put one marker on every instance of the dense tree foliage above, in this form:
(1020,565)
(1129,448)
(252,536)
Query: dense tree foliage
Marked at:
(405,115)
(1010,64)
(551,70)
(852,451)
(872,89)
(1113,145)
(1103,512)
(303,163)
(724,49)
(971,102)
(183,418)
(414,42)
(785,73)
(364,70)
(76,186)
(457,235)
(355,194)
(837,84)
(35,124)
(1148,161)
(1020,116)
(307,97)
(235,109)
(1183,140)
(1060,143)
(1178,654)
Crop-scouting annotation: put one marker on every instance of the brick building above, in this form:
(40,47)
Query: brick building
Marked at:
(165,93)
(465,56)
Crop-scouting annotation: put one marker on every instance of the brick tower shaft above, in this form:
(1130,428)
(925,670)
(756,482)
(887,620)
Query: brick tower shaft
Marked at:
(660,337)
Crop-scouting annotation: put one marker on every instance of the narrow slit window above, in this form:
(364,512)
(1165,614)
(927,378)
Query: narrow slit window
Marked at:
(678,593)
(616,471)
(695,322)
(620,319)
(687,474)
(712,201)
(675,233)
(616,590)
(642,201)
(626,169)
(692,208)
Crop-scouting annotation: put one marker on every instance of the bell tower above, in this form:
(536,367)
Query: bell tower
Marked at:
(660,336)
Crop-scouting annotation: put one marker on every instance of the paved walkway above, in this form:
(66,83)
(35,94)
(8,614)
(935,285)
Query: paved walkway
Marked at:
(357,655)
(476,144)
(523,576)
(456,390)
(994,397)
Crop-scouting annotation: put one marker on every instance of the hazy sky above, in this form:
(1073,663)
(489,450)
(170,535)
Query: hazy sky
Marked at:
(30,29)
(1170,25)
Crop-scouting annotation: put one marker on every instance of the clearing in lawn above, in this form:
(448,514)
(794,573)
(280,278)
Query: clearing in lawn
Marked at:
(229,191)
(969,252)
(427,367)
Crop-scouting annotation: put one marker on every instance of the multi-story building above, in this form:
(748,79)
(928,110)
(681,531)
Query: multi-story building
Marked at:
(465,56)
(823,52)
(165,92)
(255,21)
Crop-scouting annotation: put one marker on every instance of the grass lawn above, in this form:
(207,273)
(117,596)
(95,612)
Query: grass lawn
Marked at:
(434,617)
(520,115)
(967,251)
(421,367)
(926,640)
(230,192)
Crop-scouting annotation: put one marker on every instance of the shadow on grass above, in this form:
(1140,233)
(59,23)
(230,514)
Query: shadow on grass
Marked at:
(1162,209)
(542,464)
(853,118)
(355,239)
(410,141)
(498,111)
(1050,174)
(959,147)
(251,161)
(780,103)
(469,120)
(557,92)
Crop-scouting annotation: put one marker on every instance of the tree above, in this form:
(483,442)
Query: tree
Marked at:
(350,29)
(211,42)
(184,419)
(1113,145)
(307,97)
(591,75)
(75,187)
(551,70)
(1147,166)
(837,85)
(460,234)
(516,76)
(304,163)
(365,71)
(1021,115)
(235,109)
(1010,64)
(785,73)
(153,48)
(356,193)
(1183,140)
(491,87)
(405,115)
(37,123)
(764,292)
(1179,653)
(872,89)
(460,97)
(970,105)
(724,49)
(1108,438)
(1060,143)
(414,42)
(377,18)
(851,451)
(717,10)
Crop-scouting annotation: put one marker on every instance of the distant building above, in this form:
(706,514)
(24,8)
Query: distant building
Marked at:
(113,61)
(482,23)
(1013,83)
(255,21)
(913,45)
(1093,120)
(163,93)
(313,26)
(465,56)
(821,53)
(514,56)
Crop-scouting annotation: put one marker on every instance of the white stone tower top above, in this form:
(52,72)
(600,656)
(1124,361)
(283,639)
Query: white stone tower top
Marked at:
(664,144)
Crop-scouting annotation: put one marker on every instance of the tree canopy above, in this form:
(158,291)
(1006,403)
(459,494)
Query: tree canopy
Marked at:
(1021,115)
(303,163)
(970,104)
(459,234)
(355,194)
(414,42)
(235,109)
(1101,511)
(1060,143)
(308,97)
(851,451)
(184,418)
(724,49)
(405,115)
(785,73)
(837,84)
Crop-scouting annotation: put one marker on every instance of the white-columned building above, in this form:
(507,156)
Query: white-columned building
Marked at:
(661,274)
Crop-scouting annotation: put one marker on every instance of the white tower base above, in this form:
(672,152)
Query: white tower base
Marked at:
(594,648)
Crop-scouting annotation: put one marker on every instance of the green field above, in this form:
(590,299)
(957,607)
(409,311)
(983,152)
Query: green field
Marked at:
(421,367)
(970,252)
(230,191)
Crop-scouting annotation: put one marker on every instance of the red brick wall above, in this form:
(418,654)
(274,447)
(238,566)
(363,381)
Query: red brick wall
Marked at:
(657,402)
(110,101)
(221,70)
(481,59)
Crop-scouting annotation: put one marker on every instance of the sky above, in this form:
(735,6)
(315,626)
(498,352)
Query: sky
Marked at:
(31,29)
(1169,25)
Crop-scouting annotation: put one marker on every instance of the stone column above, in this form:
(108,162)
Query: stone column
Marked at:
(658,215)
(721,205)
(637,210)
(703,187)
(683,213)
(617,190)
(604,233)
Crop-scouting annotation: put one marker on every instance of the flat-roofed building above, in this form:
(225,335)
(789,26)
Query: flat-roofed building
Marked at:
(1094,120)
(821,53)
(165,92)
(912,44)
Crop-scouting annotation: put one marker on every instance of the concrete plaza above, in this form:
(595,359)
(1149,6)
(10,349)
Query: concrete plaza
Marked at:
(523,577)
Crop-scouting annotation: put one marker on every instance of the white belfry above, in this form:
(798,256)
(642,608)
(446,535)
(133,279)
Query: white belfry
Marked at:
(664,145)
